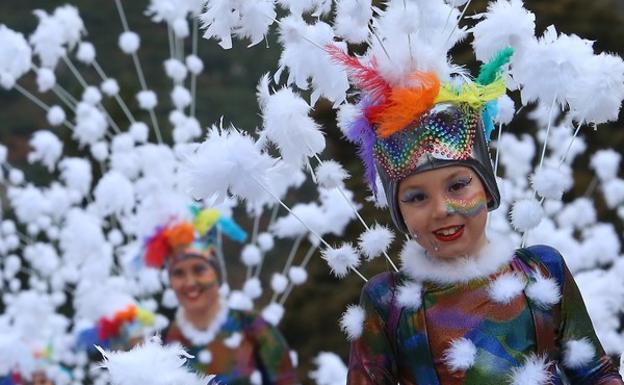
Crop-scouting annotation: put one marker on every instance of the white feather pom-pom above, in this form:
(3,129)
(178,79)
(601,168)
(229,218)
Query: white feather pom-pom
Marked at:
(273,313)
(110,87)
(375,241)
(578,353)
(331,370)
(505,288)
(255,19)
(15,56)
(92,95)
(534,371)
(147,99)
(176,70)
(580,214)
(461,355)
(265,241)
(204,356)
(86,53)
(298,275)
(56,116)
(279,283)
(342,259)
(286,122)
(47,148)
(352,322)
(233,341)
(506,110)
(151,363)
(139,132)
(550,183)
(91,124)
(129,42)
(544,292)
(114,194)
(606,164)
(526,214)
(410,295)
(219,19)
(352,20)
(46,79)
(613,192)
(251,255)
(240,301)
(169,299)
(252,288)
(194,64)
(506,24)
(331,174)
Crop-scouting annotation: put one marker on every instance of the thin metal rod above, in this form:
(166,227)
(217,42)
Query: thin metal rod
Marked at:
(498,146)
(550,112)
(461,16)
(293,252)
(75,71)
(122,15)
(565,155)
(193,76)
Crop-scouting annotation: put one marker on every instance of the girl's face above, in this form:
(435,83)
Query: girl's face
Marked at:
(195,283)
(445,210)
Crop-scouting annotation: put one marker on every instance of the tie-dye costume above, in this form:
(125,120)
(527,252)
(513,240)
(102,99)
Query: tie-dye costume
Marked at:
(410,345)
(262,348)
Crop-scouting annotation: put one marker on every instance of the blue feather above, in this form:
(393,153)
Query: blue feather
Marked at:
(232,229)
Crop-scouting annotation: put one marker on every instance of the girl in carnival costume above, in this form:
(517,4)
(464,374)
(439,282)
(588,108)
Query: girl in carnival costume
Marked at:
(239,347)
(466,308)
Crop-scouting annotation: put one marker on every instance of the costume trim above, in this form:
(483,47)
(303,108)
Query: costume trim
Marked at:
(419,266)
(202,337)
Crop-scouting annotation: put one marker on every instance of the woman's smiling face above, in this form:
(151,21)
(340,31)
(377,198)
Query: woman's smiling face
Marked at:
(195,283)
(445,210)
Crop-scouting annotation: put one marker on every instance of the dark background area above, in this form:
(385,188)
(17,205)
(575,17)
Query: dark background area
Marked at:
(227,88)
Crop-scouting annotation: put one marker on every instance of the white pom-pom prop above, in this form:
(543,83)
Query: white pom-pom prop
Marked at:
(606,164)
(194,64)
(110,87)
(129,42)
(273,313)
(526,214)
(86,53)
(352,322)
(56,116)
(375,241)
(47,148)
(298,275)
(251,255)
(147,99)
(45,79)
(461,355)
(252,288)
(330,174)
(342,259)
(279,283)
(265,242)
(550,183)
(15,56)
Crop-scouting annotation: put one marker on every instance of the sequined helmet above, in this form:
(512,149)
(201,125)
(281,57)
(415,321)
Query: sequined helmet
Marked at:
(447,135)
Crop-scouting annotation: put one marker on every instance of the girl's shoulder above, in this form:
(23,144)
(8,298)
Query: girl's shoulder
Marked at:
(544,259)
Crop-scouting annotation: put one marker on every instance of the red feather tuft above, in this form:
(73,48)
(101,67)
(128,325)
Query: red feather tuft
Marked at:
(366,77)
(158,249)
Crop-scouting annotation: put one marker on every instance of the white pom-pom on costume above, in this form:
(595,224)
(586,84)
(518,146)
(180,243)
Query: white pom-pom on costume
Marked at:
(352,322)
(342,259)
(169,299)
(273,313)
(410,295)
(256,378)
(544,292)
(578,353)
(233,341)
(194,64)
(110,87)
(505,288)
(86,52)
(147,99)
(534,371)
(550,183)
(606,164)
(298,275)
(279,283)
(461,355)
(56,116)
(205,356)
(129,42)
(526,214)
(46,79)
(331,369)
(251,255)
(375,241)
(331,174)
(265,241)
(253,288)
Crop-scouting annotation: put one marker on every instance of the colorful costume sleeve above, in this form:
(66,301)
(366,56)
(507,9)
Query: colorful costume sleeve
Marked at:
(273,354)
(578,341)
(371,360)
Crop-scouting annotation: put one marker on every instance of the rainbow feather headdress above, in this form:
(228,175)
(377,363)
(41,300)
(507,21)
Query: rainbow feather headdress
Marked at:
(196,237)
(396,127)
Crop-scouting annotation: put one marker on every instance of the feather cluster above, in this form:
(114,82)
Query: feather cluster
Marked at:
(375,241)
(15,57)
(342,259)
(352,322)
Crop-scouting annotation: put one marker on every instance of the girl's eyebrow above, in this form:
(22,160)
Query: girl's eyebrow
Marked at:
(458,173)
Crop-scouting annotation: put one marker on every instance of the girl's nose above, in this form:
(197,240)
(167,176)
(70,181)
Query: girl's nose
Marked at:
(440,207)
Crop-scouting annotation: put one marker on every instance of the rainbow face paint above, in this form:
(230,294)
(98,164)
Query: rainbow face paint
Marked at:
(469,207)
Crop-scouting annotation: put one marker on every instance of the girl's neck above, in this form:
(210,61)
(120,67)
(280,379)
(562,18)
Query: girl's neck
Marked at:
(202,318)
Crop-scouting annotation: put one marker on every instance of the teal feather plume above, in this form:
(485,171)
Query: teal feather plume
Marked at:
(490,71)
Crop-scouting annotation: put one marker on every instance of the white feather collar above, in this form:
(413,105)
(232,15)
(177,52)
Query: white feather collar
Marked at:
(202,337)
(416,264)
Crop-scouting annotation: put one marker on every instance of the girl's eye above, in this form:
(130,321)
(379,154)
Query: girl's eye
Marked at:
(460,184)
(199,269)
(177,273)
(414,196)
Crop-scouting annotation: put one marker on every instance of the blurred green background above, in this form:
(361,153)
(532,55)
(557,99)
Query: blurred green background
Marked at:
(227,88)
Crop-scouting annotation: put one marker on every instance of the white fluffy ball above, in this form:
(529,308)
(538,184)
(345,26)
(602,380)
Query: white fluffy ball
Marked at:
(526,214)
